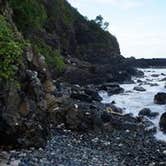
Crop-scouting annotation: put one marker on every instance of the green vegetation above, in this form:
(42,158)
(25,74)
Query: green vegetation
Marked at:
(31,15)
(99,20)
(11,50)
(28,14)
(53,57)
(53,24)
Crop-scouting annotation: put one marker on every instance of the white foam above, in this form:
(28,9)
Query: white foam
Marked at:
(132,101)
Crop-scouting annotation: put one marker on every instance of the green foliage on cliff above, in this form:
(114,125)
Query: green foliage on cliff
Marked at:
(28,14)
(53,57)
(63,31)
(11,50)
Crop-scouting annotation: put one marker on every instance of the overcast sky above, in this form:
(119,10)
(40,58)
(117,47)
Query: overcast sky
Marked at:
(139,25)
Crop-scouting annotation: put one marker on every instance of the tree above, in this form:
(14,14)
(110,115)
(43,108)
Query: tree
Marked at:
(106,25)
(99,20)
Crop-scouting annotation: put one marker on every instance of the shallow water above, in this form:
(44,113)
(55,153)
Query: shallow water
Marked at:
(133,101)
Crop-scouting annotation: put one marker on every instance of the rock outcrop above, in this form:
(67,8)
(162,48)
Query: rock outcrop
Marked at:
(160,98)
(44,40)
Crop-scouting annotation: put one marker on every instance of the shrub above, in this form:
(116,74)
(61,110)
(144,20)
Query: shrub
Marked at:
(10,50)
(53,57)
(28,13)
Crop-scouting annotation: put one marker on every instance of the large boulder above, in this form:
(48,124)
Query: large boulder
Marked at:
(160,98)
(111,88)
(162,122)
(85,94)
(147,112)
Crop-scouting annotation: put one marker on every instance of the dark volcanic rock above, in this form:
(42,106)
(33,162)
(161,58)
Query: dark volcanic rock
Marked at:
(163,79)
(85,94)
(94,94)
(147,112)
(155,75)
(139,88)
(111,88)
(162,122)
(82,97)
(160,98)
(154,84)
(139,81)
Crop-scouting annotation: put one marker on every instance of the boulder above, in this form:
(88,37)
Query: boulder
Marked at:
(147,112)
(81,97)
(162,122)
(111,88)
(85,94)
(139,81)
(139,73)
(160,98)
(139,88)
(94,94)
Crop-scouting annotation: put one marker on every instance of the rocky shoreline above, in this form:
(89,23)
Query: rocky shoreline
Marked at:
(122,147)
(53,65)
(86,132)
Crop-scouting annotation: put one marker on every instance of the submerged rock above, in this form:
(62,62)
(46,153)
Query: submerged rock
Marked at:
(154,84)
(163,79)
(139,88)
(160,98)
(155,75)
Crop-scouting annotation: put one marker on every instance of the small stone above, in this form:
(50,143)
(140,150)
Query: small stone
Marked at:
(164,152)
(127,131)
(95,140)
(152,164)
(106,143)
(120,145)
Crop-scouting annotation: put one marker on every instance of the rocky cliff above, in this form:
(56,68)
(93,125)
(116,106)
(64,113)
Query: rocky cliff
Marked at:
(71,44)
(41,41)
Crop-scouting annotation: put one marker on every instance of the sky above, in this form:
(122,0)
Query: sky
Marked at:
(139,25)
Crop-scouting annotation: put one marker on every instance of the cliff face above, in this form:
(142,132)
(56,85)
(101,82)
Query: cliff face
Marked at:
(61,34)
(41,40)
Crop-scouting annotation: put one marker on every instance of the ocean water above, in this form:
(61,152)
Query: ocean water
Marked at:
(132,101)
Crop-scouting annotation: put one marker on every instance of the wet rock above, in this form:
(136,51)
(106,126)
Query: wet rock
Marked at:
(163,74)
(81,97)
(85,94)
(162,122)
(94,94)
(139,81)
(147,112)
(160,98)
(163,79)
(139,73)
(139,88)
(154,84)
(155,75)
(124,122)
(111,88)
